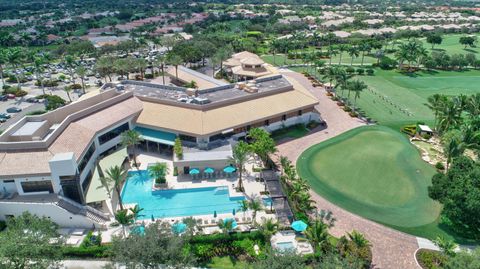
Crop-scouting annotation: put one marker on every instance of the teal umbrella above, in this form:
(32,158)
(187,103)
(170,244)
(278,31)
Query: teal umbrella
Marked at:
(299,226)
(234,223)
(233,212)
(194,171)
(229,169)
(209,170)
(215,213)
(179,227)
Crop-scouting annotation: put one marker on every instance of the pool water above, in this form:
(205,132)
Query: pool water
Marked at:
(176,202)
(285,246)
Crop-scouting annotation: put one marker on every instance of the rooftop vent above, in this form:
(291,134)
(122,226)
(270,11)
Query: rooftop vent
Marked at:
(200,101)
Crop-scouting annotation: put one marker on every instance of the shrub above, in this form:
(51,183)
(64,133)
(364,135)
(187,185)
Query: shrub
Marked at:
(370,72)
(387,63)
(430,259)
(52,101)
(175,171)
(347,109)
(91,240)
(15,91)
(36,112)
(149,76)
(360,71)
(47,83)
(426,136)
(439,166)
(75,86)
(177,148)
(3,225)
(13,79)
(350,70)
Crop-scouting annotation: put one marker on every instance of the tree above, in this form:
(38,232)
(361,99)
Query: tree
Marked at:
(14,57)
(136,211)
(358,239)
(317,233)
(464,260)
(3,61)
(269,227)
(467,41)
(159,171)
(82,74)
(450,115)
(353,52)
(222,55)
(240,154)
(157,246)
(114,177)
(177,148)
(124,219)
(356,86)
(131,139)
(38,68)
(434,39)
(456,191)
(225,225)
(71,65)
(243,206)
(436,103)
(453,146)
(341,49)
(105,67)
(68,90)
(140,65)
(30,242)
(288,260)
(262,144)
(255,205)
(160,62)
(175,60)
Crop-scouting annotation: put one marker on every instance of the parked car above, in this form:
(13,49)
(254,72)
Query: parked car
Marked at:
(2,120)
(4,116)
(13,109)
(3,98)
(31,100)
(11,96)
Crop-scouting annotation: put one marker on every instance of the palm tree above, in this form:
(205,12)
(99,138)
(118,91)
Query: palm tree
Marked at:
(353,52)
(446,246)
(298,187)
(341,48)
(38,63)
(358,239)
(317,233)
(269,227)
(243,206)
(275,46)
(450,116)
(240,155)
(70,63)
(141,64)
(115,176)
(124,219)
(159,171)
(356,86)
(175,60)
(330,74)
(225,225)
(342,78)
(255,205)
(222,55)
(436,103)
(453,147)
(67,90)
(131,138)
(136,211)
(331,54)
(402,54)
(81,73)
(285,163)
(160,61)
(14,57)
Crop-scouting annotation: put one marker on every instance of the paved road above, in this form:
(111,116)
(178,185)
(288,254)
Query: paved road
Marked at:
(391,249)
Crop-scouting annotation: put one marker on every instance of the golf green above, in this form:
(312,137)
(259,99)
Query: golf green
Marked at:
(373,172)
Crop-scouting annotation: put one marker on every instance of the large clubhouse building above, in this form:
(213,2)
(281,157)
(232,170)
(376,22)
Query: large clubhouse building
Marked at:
(51,164)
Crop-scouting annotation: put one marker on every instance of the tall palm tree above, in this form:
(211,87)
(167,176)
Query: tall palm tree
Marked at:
(356,86)
(160,62)
(124,219)
(341,49)
(14,57)
(353,53)
(71,64)
(175,60)
(240,155)
(450,116)
(38,68)
(364,47)
(285,163)
(222,55)
(68,90)
(358,239)
(243,206)
(82,74)
(453,147)
(255,205)
(331,54)
(436,103)
(114,177)
(342,78)
(3,61)
(131,139)
(330,74)
(317,233)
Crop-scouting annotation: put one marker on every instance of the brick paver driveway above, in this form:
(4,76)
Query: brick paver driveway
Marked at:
(391,249)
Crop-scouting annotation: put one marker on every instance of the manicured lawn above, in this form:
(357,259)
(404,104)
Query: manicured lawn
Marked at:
(451,45)
(391,91)
(295,131)
(386,180)
(226,263)
(346,60)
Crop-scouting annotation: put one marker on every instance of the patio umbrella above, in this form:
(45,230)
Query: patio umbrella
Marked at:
(299,226)
(179,227)
(194,171)
(233,212)
(234,223)
(153,219)
(209,170)
(229,169)
(215,213)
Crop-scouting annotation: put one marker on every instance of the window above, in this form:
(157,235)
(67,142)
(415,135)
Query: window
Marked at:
(9,181)
(300,113)
(37,186)
(188,138)
(284,117)
(112,134)
(86,158)
(86,181)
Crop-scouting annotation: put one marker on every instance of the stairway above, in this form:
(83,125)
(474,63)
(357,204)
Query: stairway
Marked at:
(87,211)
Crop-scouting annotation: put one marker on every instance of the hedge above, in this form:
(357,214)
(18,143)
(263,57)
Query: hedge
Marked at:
(102,251)
(430,259)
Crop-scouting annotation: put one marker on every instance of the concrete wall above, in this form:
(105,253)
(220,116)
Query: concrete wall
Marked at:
(55,213)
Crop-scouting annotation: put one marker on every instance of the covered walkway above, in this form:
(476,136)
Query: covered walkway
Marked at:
(279,199)
(156,141)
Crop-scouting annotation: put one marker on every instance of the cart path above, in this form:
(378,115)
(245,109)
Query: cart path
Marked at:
(391,249)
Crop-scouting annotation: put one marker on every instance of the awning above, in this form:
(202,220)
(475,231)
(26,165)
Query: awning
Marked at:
(161,137)
(96,192)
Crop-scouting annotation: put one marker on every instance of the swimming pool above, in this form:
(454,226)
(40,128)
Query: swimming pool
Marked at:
(285,246)
(176,202)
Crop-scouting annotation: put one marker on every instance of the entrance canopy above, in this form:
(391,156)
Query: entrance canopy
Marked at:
(160,137)
(96,192)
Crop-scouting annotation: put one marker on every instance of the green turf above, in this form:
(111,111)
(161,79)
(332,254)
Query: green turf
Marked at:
(226,263)
(386,180)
